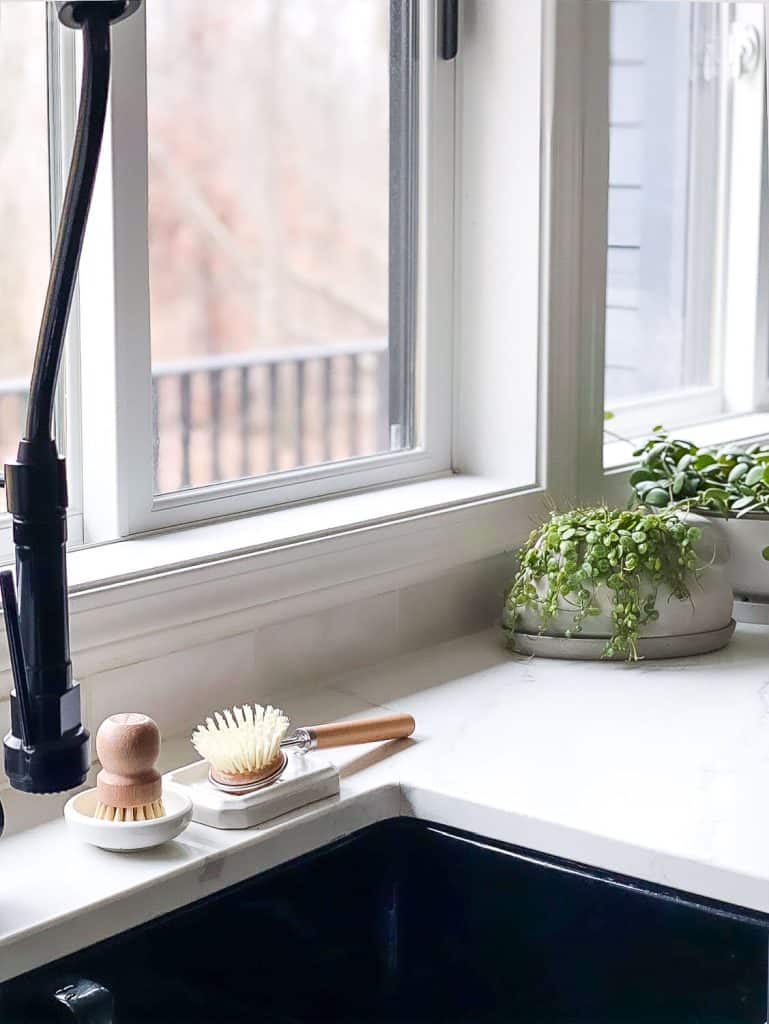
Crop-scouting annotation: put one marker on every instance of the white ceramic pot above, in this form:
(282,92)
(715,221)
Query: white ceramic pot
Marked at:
(709,609)
(738,544)
(127,836)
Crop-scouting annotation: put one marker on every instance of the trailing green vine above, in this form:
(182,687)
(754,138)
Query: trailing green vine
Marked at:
(631,552)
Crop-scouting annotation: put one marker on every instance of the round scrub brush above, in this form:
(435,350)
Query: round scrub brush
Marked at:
(244,746)
(128,786)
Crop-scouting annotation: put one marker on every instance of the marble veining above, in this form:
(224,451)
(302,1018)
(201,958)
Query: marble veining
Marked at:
(658,770)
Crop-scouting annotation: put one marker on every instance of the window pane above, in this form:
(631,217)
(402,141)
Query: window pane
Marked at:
(665,94)
(269,236)
(24,206)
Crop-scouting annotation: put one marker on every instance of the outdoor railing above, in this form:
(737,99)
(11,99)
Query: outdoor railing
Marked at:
(223,417)
(229,416)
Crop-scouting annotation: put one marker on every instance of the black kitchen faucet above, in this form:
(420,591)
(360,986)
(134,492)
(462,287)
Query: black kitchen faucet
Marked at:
(47,749)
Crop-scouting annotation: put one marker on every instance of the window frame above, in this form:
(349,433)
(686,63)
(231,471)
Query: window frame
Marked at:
(459,229)
(576,236)
(117,420)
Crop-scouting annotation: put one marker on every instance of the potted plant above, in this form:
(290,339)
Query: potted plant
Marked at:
(727,486)
(618,584)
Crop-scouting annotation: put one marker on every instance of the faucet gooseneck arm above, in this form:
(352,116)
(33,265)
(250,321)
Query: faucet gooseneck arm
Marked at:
(72,224)
(47,748)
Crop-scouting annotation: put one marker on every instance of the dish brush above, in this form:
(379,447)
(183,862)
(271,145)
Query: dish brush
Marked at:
(245,746)
(128,787)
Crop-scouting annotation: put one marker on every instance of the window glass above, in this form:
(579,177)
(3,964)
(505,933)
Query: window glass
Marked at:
(269,175)
(24,207)
(666,81)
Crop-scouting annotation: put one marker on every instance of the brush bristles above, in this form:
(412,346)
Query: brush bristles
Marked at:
(146,812)
(241,740)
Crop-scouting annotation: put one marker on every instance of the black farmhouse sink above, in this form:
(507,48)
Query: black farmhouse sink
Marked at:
(408,921)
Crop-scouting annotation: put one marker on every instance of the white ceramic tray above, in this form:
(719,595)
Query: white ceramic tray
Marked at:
(303,781)
(589,648)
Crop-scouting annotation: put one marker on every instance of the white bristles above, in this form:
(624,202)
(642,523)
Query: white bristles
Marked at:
(241,740)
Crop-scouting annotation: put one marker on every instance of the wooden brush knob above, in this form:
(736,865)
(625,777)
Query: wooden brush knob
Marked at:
(128,746)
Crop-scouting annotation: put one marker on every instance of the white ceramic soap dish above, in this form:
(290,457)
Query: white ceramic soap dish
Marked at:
(127,836)
(303,781)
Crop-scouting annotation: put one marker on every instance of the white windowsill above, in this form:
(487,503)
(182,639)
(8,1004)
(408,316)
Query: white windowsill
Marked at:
(166,551)
(748,427)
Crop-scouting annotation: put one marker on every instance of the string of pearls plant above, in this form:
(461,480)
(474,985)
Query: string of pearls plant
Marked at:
(629,552)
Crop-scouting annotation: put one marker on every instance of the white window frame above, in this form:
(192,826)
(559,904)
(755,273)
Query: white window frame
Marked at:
(479,225)
(115,338)
(702,284)
(577,237)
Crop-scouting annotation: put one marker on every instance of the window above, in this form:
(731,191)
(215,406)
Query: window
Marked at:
(268,237)
(664,220)
(253,329)
(270,340)
(666,91)
(686,149)
(654,236)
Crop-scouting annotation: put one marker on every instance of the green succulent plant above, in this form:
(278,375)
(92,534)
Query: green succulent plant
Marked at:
(730,480)
(632,552)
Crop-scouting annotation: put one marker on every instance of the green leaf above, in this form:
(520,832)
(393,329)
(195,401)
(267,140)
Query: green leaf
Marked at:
(608,416)
(678,483)
(647,485)
(640,475)
(765,554)
(754,475)
(743,502)
(657,497)
(715,496)
(703,460)
(737,473)
(654,453)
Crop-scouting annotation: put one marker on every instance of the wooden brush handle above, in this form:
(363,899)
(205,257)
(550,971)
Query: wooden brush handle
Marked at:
(127,746)
(362,730)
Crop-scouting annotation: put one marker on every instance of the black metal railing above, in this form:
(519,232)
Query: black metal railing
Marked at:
(222,417)
(229,416)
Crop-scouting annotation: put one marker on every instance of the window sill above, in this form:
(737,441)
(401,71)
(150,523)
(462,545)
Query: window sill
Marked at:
(745,428)
(154,594)
(236,539)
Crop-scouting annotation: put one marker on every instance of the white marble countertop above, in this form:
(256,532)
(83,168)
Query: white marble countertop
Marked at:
(658,770)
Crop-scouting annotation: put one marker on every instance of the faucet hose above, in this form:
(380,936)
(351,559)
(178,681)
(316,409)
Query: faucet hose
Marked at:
(74,216)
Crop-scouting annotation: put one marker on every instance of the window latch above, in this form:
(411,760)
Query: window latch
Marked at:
(744,49)
(449,29)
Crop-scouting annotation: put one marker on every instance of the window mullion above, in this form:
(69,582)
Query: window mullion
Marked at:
(742,349)
(116,366)
(576,146)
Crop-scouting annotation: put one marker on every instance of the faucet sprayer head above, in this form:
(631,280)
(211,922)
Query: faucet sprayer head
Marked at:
(74,12)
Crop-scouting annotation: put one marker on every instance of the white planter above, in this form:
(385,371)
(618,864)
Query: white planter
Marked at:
(738,544)
(710,609)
